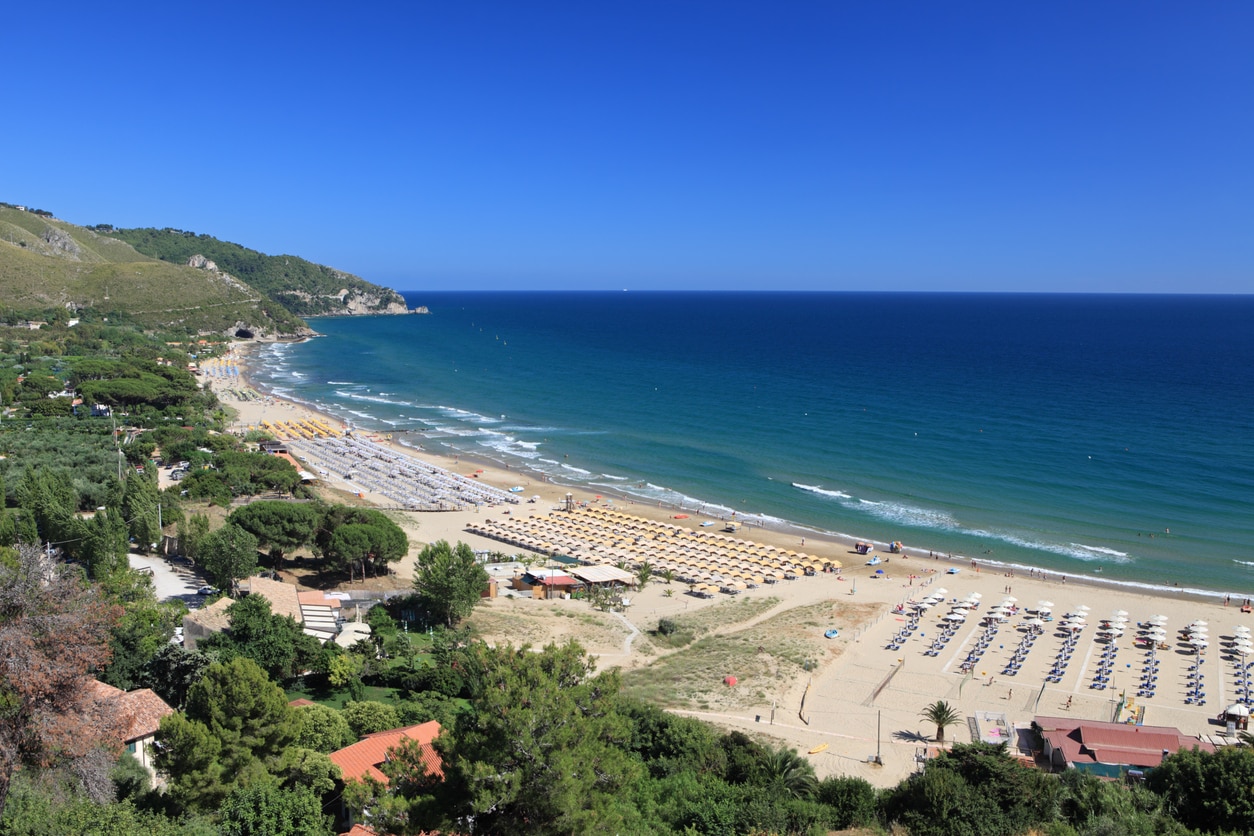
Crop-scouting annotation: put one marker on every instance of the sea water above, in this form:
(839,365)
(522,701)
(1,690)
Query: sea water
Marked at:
(1083,434)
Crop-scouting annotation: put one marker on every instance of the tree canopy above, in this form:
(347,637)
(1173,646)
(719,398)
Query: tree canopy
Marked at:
(279,526)
(450,580)
(233,733)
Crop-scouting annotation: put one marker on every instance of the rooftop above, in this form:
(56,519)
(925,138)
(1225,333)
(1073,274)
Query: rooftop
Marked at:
(283,598)
(366,755)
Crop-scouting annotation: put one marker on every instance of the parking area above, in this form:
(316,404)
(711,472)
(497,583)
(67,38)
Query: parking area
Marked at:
(172,579)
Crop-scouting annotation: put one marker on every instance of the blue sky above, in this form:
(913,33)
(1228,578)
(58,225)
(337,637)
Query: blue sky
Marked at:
(1070,146)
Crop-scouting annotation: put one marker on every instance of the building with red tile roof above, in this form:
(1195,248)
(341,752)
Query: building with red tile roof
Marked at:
(1084,744)
(133,717)
(366,755)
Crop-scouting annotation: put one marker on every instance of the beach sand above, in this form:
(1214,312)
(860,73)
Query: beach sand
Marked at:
(861,698)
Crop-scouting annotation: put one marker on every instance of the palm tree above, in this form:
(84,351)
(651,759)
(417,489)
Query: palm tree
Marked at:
(668,575)
(786,771)
(942,714)
(643,572)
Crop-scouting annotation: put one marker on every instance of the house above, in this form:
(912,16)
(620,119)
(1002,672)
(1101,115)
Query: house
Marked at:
(283,597)
(317,614)
(204,622)
(363,758)
(1107,749)
(545,583)
(133,717)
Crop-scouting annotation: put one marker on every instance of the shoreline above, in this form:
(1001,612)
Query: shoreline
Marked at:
(782,531)
(848,693)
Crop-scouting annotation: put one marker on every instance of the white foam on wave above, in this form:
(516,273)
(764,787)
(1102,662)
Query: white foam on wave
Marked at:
(821,492)
(909,515)
(465,415)
(1243,562)
(506,444)
(356,396)
(916,517)
(342,383)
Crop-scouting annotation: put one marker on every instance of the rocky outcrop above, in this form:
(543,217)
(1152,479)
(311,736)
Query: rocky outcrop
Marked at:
(59,242)
(202,263)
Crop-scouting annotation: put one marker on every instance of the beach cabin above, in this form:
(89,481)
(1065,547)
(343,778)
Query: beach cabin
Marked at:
(545,583)
(1109,749)
(606,576)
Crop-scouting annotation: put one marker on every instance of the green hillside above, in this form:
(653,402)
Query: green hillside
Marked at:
(304,288)
(46,263)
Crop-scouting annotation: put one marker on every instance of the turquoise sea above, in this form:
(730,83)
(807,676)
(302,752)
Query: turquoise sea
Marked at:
(1097,435)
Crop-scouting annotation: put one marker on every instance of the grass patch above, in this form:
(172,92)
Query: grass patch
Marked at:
(337,697)
(504,623)
(767,658)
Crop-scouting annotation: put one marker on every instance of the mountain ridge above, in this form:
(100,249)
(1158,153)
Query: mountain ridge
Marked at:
(186,282)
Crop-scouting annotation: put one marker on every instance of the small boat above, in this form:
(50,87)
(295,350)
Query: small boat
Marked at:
(831,634)
(820,748)
(874,561)
(515,489)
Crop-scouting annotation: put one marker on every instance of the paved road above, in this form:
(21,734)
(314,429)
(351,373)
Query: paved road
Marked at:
(172,580)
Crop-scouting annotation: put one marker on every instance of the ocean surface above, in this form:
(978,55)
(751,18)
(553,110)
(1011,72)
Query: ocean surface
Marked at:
(1107,436)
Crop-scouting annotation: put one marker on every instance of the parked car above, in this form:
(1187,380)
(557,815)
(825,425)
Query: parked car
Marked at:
(207,590)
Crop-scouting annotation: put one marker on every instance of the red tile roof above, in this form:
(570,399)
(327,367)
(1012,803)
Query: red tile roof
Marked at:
(132,715)
(301,702)
(366,755)
(1089,741)
(317,597)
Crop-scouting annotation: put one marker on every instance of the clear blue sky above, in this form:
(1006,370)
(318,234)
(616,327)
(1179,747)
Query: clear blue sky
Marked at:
(721,145)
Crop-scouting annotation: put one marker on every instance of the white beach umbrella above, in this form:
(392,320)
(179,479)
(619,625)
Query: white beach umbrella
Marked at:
(1011,599)
(1083,608)
(1035,622)
(1121,612)
(1198,623)
(1158,618)
(976,595)
(941,591)
(1199,642)
(1242,630)
(1157,634)
(953,616)
(1045,605)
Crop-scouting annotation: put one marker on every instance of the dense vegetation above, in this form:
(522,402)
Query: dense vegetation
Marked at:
(304,288)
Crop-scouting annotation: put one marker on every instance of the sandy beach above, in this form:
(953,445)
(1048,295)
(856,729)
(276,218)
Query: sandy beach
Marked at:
(870,682)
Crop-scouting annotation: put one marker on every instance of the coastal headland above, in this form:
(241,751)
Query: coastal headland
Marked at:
(856,698)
